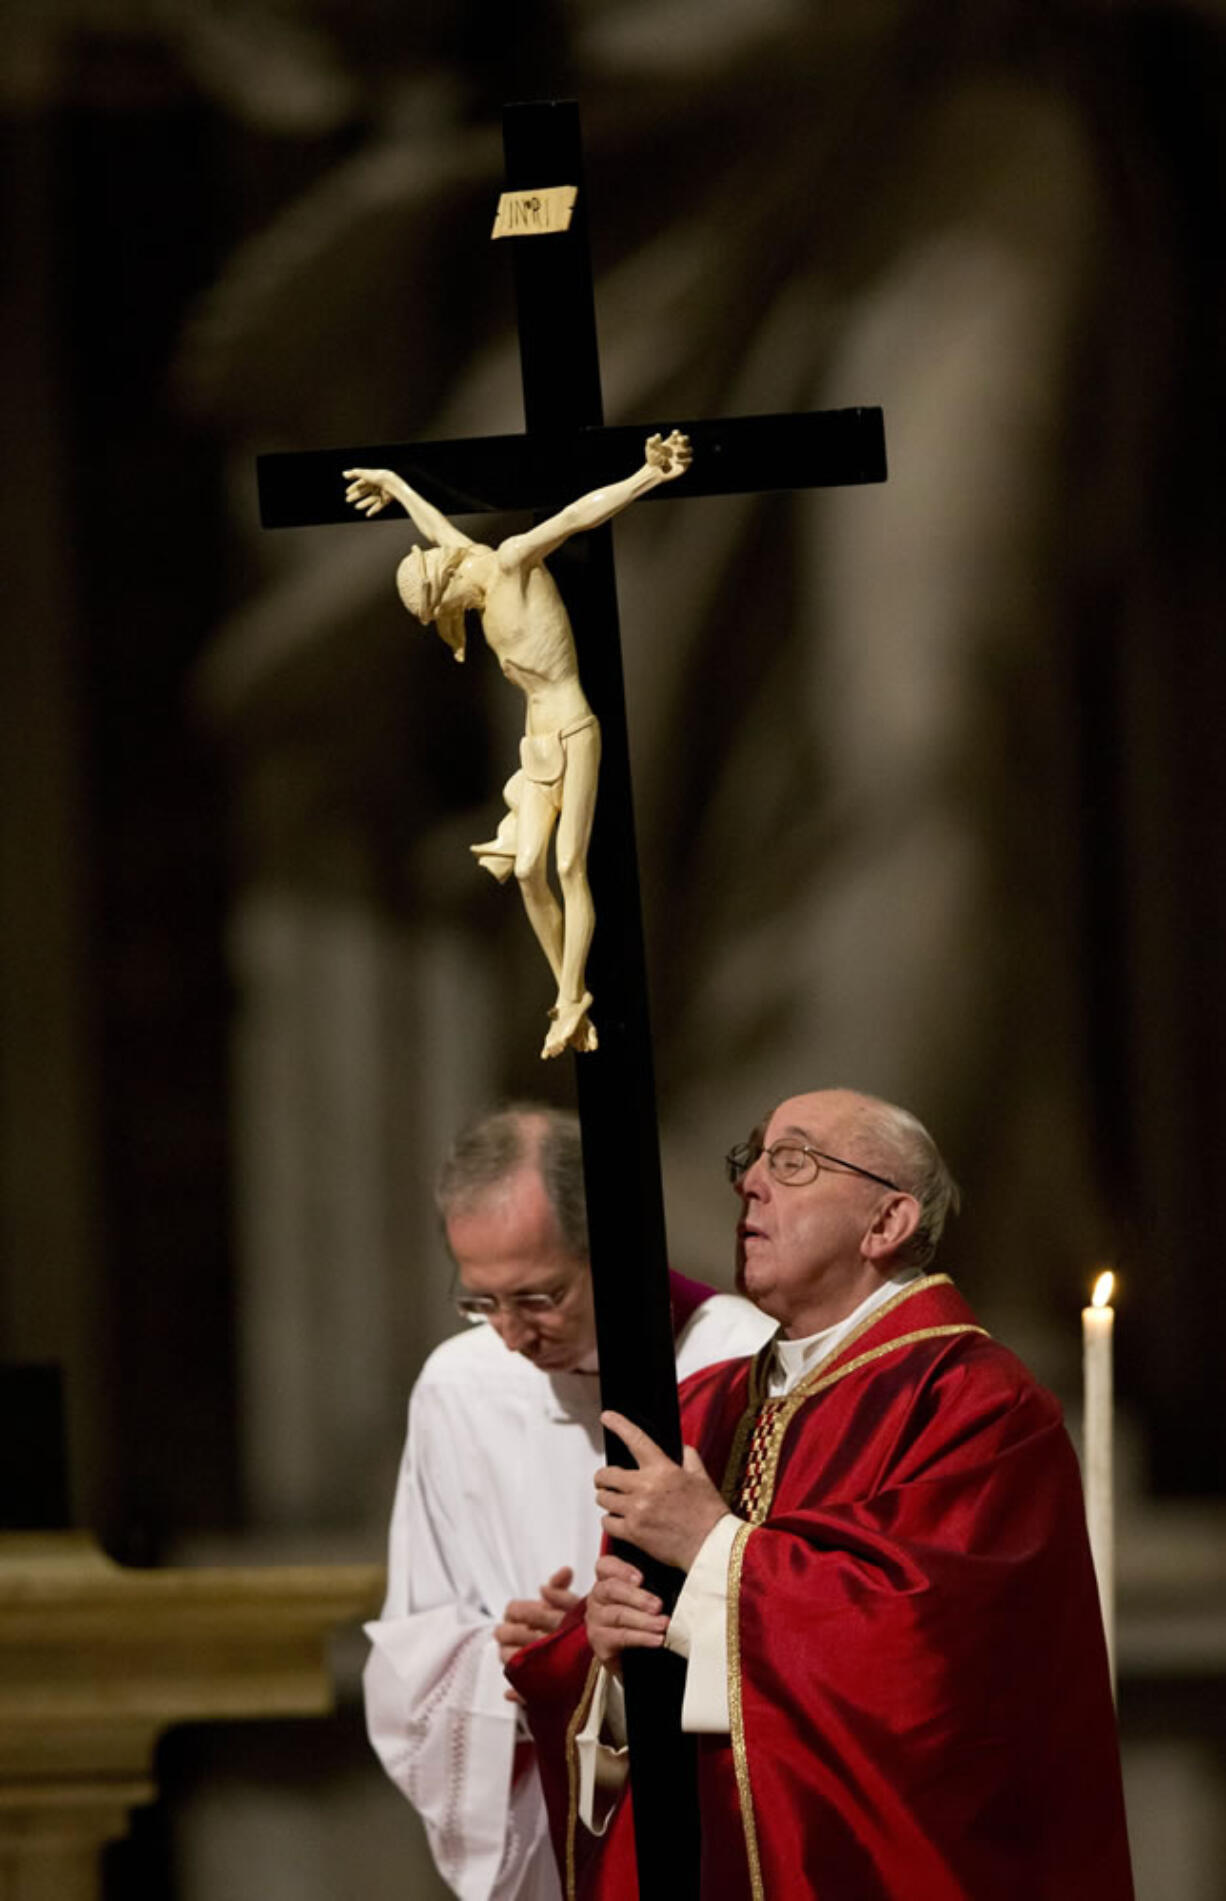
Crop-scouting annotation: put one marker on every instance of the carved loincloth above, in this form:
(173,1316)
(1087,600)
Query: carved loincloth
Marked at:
(542,758)
(542,761)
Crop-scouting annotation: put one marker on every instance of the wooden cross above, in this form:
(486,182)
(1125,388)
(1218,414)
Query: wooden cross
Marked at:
(566,452)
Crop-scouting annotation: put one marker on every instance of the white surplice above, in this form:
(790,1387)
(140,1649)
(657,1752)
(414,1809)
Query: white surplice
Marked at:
(495,1493)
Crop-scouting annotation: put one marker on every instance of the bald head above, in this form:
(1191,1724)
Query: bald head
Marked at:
(892,1142)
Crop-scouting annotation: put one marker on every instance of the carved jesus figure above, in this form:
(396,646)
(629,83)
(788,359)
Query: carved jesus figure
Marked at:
(553,794)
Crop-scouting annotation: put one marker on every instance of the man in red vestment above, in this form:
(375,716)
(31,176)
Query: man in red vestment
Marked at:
(895,1663)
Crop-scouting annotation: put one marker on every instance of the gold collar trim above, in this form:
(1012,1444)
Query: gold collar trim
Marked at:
(815,1381)
(791,1403)
(761,1366)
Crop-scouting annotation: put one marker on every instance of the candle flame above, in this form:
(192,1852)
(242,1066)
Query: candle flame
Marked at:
(1104,1287)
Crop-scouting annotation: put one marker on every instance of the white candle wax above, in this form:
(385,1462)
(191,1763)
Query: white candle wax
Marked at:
(1097,1324)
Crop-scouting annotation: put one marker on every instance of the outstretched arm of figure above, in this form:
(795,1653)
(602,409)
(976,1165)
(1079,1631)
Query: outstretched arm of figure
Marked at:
(665,459)
(370,490)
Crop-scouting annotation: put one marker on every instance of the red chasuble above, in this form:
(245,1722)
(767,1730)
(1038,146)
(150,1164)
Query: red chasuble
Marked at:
(918,1683)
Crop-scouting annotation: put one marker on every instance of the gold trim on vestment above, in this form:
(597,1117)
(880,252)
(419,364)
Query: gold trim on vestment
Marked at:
(572,1771)
(816,1383)
(736,1713)
(740,1438)
(912,1288)
(812,1382)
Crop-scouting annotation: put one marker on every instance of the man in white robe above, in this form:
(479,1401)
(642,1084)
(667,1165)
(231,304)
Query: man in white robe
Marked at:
(494,1520)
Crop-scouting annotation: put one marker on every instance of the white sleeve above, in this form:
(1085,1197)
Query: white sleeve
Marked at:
(436,1711)
(604,1760)
(725,1327)
(698,1631)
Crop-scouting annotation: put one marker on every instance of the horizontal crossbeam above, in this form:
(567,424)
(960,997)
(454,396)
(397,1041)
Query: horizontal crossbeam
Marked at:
(542,472)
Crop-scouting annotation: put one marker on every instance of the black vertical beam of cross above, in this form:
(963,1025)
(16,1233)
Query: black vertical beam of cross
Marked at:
(566,452)
(615,1084)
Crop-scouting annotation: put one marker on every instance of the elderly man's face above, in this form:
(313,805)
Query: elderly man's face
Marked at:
(803,1253)
(508,1244)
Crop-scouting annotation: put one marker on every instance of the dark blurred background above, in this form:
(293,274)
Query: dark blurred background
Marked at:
(929,778)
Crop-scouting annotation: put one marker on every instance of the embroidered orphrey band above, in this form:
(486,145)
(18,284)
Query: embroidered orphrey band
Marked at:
(749,1493)
(757,1441)
(779,1421)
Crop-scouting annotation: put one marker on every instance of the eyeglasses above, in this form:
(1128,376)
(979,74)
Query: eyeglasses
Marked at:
(794,1163)
(530,1306)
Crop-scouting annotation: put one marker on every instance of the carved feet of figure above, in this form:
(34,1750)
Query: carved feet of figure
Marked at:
(570,1027)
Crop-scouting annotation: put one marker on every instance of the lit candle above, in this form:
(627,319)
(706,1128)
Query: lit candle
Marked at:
(1097,1323)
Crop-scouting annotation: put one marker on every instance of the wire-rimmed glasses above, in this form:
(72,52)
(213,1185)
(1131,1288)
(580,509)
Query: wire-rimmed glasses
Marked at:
(795,1164)
(529,1306)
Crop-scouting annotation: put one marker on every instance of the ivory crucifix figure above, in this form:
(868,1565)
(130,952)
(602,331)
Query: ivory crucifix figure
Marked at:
(526,624)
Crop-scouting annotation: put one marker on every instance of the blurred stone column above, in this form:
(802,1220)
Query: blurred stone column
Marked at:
(358,1048)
